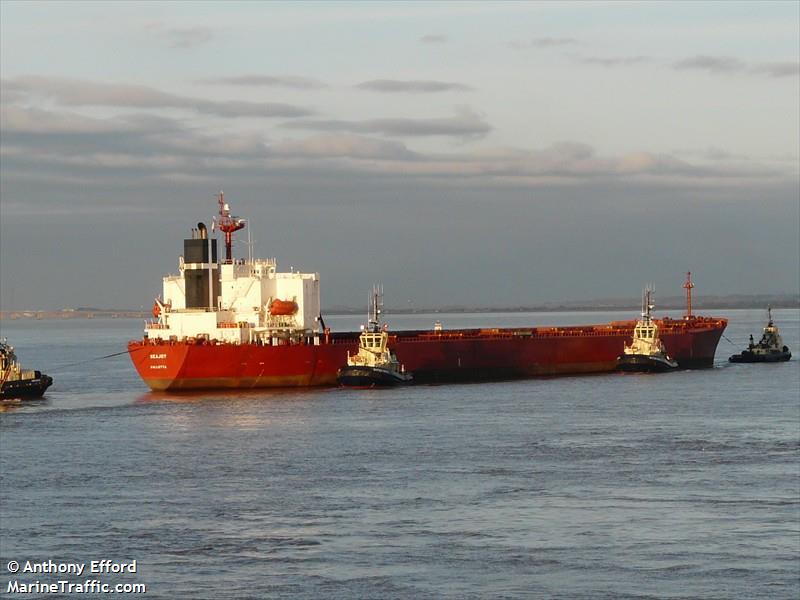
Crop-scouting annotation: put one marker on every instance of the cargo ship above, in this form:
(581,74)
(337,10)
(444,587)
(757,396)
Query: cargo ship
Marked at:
(240,323)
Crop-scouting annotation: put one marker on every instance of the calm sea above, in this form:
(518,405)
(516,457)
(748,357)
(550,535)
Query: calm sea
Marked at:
(682,485)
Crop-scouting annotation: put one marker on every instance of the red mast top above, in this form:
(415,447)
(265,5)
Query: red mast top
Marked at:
(688,285)
(228,224)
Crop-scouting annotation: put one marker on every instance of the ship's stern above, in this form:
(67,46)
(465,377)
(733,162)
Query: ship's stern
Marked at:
(158,364)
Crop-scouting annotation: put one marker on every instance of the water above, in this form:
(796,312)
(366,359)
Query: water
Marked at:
(682,485)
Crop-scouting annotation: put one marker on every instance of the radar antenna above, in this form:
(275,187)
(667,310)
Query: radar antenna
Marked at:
(376,308)
(227,224)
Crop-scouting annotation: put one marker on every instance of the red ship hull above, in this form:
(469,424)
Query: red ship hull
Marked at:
(451,355)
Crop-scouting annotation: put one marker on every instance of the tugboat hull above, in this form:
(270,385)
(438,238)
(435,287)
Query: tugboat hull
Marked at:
(751,357)
(26,388)
(641,363)
(368,377)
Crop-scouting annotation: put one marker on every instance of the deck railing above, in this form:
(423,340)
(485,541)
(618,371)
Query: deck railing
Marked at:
(616,329)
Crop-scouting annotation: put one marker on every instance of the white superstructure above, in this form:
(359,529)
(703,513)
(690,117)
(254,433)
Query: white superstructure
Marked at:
(234,300)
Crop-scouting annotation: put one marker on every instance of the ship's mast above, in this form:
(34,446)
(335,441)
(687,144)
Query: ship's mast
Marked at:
(227,224)
(688,285)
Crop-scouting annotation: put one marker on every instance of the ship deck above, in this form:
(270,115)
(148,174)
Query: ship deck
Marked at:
(615,328)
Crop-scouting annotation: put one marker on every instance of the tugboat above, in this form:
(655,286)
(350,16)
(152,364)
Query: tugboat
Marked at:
(374,365)
(646,353)
(17,383)
(770,347)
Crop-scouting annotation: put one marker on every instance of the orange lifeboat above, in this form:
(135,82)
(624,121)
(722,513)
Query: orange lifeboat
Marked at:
(282,308)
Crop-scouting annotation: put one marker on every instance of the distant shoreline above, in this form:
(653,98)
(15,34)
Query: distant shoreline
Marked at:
(669,304)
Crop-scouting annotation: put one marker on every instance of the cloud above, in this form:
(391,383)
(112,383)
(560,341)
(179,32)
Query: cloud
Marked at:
(37,121)
(548,42)
(51,146)
(543,42)
(187,37)
(391,85)
(74,92)
(57,134)
(724,65)
(613,61)
(344,145)
(717,65)
(567,163)
(288,81)
(464,124)
(564,160)
(713,153)
(712,64)
(778,69)
(433,38)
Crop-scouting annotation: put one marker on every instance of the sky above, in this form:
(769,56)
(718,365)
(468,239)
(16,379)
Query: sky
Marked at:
(472,154)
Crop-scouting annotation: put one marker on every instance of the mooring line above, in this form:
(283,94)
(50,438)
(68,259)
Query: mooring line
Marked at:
(88,360)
